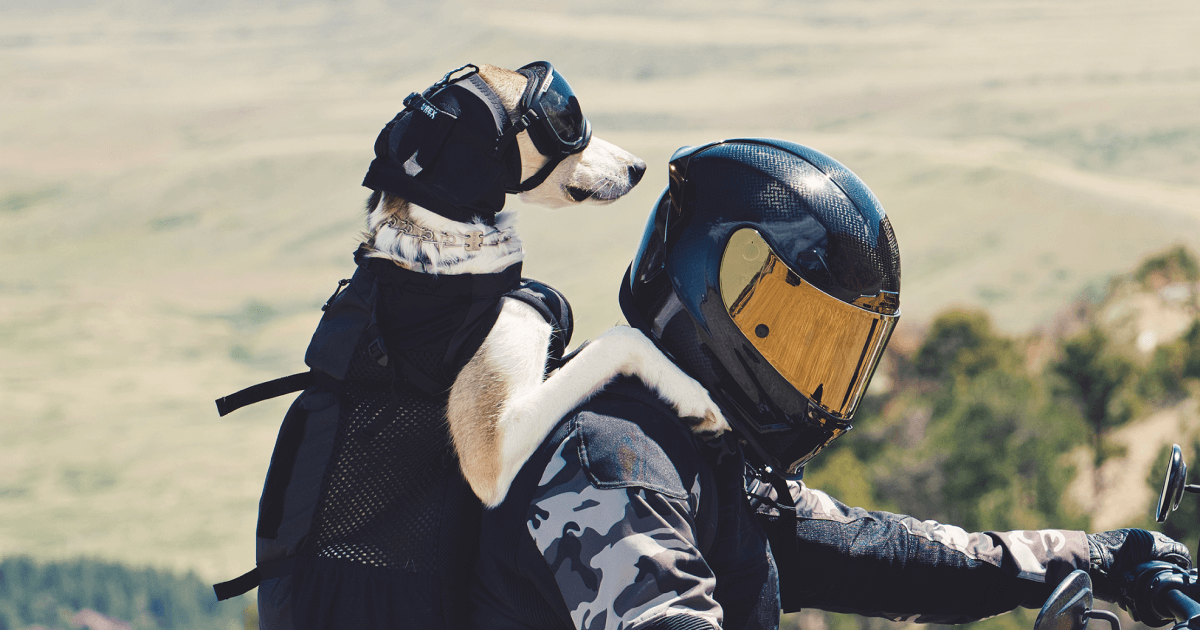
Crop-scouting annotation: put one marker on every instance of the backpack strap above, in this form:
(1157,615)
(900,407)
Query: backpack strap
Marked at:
(278,387)
(347,314)
(239,585)
(249,580)
(554,307)
(263,391)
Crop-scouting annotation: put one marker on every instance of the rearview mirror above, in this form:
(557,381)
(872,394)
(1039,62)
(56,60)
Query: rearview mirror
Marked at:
(1173,486)
(1069,604)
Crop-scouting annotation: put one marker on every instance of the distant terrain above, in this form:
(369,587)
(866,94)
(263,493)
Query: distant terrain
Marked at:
(179,192)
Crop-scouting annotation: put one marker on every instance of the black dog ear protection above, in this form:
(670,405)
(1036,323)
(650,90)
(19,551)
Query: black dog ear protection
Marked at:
(441,151)
(451,150)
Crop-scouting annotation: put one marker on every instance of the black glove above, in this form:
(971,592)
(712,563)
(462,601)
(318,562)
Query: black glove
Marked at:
(1114,556)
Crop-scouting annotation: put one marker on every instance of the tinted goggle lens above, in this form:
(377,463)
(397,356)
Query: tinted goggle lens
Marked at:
(825,348)
(559,117)
(561,109)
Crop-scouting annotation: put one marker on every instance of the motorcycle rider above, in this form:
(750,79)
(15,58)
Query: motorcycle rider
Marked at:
(770,274)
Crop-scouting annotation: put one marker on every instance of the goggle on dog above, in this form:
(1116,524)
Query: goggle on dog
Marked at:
(549,111)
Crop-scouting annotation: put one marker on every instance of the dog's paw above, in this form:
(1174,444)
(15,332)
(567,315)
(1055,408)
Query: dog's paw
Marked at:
(683,393)
(712,425)
(701,414)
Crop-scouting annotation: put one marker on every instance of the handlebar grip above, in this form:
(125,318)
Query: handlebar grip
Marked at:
(1164,590)
(1182,607)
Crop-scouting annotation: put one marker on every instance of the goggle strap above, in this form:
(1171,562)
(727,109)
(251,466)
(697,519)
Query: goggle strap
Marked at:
(470,82)
(506,139)
(533,84)
(475,84)
(537,178)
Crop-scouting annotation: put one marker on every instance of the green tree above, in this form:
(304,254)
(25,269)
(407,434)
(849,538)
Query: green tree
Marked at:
(1095,377)
(962,344)
(1171,366)
(998,439)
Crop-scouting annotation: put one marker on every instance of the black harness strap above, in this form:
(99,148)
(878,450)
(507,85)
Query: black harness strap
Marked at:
(555,309)
(263,391)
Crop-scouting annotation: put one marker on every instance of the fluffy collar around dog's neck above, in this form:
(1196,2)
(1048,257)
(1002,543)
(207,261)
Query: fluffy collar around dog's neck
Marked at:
(429,243)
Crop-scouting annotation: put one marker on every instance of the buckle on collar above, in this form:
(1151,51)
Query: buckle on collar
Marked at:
(471,242)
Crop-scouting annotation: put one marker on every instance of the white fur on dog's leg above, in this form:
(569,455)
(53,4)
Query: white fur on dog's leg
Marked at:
(483,424)
(528,418)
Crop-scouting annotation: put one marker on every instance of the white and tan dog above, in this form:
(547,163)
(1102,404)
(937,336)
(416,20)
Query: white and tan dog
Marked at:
(501,404)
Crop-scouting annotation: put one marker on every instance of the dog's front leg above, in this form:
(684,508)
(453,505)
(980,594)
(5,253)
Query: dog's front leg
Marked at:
(533,410)
(484,425)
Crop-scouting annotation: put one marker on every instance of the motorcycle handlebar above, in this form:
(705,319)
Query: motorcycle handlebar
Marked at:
(1171,590)
(1182,607)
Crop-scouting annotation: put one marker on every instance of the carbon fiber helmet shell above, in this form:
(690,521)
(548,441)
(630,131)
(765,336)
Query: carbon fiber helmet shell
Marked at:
(816,215)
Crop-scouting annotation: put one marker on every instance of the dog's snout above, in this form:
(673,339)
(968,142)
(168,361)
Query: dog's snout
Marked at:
(636,170)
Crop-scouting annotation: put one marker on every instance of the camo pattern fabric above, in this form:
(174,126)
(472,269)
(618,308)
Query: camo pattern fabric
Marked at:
(621,557)
(1041,556)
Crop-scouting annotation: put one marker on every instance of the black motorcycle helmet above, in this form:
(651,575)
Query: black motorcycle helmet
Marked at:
(769,273)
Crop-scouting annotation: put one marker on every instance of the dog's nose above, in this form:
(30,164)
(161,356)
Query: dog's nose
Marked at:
(636,170)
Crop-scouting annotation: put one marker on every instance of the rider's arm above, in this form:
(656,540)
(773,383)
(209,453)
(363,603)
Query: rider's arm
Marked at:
(622,556)
(880,564)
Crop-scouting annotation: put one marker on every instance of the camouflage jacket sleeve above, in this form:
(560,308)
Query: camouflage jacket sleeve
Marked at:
(622,557)
(902,568)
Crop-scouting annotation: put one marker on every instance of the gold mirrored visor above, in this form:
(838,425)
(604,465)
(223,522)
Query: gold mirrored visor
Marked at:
(827,349)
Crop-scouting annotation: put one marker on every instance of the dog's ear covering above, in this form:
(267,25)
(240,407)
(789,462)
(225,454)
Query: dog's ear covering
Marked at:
(440,154)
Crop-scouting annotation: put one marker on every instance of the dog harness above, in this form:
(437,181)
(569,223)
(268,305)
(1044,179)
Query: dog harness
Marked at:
(365,520)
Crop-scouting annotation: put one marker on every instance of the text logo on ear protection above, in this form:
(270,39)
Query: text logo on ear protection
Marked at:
(428,110)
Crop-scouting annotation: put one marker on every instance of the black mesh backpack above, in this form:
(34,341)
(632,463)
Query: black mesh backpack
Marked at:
(365,520)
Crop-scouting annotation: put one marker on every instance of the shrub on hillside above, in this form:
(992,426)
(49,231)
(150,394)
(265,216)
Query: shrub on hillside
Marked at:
(1173,265)
(1172,365)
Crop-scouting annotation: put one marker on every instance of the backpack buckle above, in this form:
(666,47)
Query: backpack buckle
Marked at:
(378,352)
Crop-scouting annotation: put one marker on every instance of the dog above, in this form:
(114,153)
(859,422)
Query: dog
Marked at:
(501,404)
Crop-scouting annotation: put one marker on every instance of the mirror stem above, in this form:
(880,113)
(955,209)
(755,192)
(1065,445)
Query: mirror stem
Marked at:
(1105,615)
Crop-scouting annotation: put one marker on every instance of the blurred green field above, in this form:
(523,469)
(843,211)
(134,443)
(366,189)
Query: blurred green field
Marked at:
(179,192)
